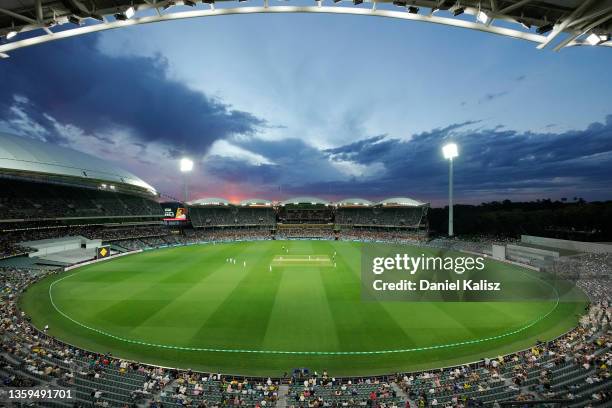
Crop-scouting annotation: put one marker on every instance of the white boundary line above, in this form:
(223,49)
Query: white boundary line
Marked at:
(374,352)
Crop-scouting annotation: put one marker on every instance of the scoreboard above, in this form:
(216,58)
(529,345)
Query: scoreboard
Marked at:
(175,215)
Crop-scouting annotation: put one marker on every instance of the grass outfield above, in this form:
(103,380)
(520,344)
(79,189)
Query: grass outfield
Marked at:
(173,306)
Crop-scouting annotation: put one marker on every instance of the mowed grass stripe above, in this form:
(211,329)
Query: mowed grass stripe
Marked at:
(197,302)
(151,287)
(302,319)
(373,327)
(240,319)
(197,265)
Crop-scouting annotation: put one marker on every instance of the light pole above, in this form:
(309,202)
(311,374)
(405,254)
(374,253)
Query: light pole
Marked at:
(186,166)
(450,151)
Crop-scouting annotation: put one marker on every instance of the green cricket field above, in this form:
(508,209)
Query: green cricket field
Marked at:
(266,307)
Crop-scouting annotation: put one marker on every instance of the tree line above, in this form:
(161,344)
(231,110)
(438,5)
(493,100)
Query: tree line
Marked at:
(573,219)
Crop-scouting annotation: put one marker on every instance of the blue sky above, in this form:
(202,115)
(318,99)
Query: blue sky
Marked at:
(335,106)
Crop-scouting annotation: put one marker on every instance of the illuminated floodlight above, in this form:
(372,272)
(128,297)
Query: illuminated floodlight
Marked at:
(595,39)
(482,17)
(450,151)
(129,13)
(186,165)
(11,34)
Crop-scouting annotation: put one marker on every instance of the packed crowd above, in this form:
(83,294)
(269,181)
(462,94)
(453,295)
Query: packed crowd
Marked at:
(396,216)
(326,391)
(395,235)
(28,200)
(305,215)
(231,216)
(324,232)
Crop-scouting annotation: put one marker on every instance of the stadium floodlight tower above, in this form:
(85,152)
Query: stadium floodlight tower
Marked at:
(186,166)
(450,151)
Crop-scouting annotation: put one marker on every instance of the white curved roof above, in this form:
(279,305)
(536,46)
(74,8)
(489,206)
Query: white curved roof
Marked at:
(305,200)
(212,201)
(255,202)
(30,155)
(401,202)
(348,202)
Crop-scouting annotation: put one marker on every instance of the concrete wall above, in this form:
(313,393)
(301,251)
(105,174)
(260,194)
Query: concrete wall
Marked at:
(534,252)
(499,252)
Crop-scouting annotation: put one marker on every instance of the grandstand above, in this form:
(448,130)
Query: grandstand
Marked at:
(51,192)
(312,217)
(220,213)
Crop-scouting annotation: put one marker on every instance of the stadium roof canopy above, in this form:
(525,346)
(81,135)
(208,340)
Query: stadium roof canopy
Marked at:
(401,202)
(305,200)
(354,202)
(544,22)
(212,201)
(255,202)
(26,156)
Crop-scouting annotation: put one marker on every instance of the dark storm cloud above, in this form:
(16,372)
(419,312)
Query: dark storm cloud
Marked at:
(74,83)
(493,163)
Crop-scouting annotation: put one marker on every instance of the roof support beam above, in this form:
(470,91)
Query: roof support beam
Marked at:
(39,11)
(590,17)
(577,34)
(493,10)
(17,16)
(563,25)
(514,6)
(448,21)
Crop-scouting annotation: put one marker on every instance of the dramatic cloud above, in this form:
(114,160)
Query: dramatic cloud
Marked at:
(342,136)
(493,164)
(74,83)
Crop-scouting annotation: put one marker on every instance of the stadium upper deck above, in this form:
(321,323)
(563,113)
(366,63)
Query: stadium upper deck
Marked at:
(45,183)
(397,212)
